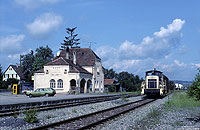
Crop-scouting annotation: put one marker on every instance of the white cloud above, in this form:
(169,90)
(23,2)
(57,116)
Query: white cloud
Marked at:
(122,65)
(180,64)
(30,4)
(197,65)
(14,56)
(179,70)
(41,27)
(11,44)
(106,52)
(156,51)
(157,46)
(160,45)
(171,28)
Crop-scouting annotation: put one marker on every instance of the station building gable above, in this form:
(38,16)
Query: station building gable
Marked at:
(88,60)
(64,76)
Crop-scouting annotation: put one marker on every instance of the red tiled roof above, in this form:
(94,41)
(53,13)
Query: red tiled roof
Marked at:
(62,61)
(108,81)
(40,71)
(58,61)
(84,56)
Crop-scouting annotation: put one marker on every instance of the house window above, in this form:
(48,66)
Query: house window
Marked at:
(98,71)
(16,75)
(65,72)
(52,83)
(8,76)
(60,83)
(12,75)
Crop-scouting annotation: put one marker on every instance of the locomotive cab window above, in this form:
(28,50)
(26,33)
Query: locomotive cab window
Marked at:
(152,83)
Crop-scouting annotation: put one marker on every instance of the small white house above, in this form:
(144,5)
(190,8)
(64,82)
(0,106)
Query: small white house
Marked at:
(13,71)
(179,86)
(77,70)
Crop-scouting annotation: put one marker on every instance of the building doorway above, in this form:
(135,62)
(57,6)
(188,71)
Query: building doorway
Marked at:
(72,86)
(89,86)
(82,85)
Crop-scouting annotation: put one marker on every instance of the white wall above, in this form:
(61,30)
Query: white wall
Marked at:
(42,80)
(98,76)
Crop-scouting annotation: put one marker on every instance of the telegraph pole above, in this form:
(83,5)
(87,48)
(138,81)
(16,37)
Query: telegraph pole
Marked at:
(90,46)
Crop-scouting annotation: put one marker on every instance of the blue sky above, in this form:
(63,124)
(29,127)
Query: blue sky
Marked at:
(128,35)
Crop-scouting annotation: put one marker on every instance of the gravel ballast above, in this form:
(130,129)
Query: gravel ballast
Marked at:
(51,116)
(154,116)
(151,116)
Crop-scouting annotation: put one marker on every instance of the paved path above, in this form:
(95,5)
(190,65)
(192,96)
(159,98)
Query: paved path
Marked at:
(9,98)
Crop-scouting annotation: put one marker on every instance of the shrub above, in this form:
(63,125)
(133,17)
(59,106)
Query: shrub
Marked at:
(111,88)
(10,81)
(31,115)
(194,90)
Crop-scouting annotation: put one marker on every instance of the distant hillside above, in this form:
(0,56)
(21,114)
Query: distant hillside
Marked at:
(184,83)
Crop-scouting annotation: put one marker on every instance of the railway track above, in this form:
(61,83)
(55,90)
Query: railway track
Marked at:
(76,102)
(89,120)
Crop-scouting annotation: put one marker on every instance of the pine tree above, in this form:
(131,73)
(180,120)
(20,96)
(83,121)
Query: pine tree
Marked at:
(71,40)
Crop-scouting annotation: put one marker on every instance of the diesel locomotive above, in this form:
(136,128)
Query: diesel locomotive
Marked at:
(156,83)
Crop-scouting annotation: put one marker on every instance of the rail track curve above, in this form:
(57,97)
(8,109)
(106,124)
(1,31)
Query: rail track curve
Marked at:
(89,120)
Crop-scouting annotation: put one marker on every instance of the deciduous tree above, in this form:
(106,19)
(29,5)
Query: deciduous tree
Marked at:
(109,73)
(27,65)
(42,56)
(1,76)
(32,62)
(194,90)
(171,85)
(127,80)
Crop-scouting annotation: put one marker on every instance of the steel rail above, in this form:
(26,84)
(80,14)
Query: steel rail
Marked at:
(11,107)
(71,104)
(89,120)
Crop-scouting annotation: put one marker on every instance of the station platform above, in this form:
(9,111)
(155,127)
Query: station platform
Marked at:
(7,98)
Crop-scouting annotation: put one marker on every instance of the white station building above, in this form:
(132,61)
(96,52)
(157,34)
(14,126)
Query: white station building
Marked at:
(77,70)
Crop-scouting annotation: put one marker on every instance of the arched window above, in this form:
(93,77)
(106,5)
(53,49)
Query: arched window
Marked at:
(52,83)
(60,83)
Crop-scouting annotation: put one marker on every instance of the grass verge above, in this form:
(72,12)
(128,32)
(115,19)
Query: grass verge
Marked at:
(181,100)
